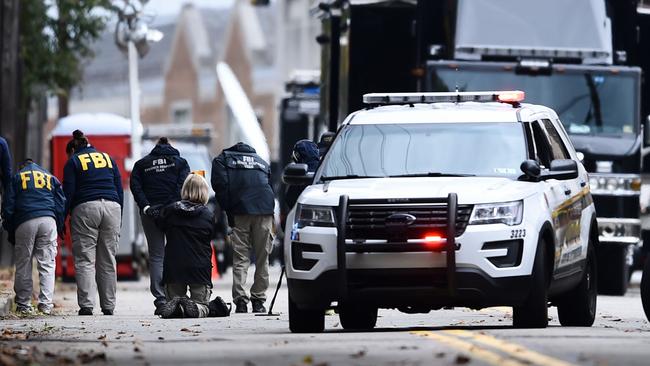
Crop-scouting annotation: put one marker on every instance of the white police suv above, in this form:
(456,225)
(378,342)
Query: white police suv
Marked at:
(431,200)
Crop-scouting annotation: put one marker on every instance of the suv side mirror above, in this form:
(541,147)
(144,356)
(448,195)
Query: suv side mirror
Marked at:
(531,169)
(297,174)
(562,169)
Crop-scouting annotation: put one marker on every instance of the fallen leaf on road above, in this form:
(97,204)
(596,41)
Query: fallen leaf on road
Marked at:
(103,336)
(91,357)
(10,334)
(462,360)
(121,332)
(359,354)
(185,330)
(308,360)
(161,338)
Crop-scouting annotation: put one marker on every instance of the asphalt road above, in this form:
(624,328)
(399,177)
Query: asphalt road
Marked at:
(621,336)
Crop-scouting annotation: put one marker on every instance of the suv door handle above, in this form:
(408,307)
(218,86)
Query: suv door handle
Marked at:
(567,191)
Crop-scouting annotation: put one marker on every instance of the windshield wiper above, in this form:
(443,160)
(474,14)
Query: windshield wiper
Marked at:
(594,107)
(431,174)
(349,176)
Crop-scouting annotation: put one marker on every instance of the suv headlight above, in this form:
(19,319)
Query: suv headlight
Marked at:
(308,215)
(509,213)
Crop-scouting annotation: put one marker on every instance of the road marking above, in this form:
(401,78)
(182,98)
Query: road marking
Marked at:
(514,350)
(482,354)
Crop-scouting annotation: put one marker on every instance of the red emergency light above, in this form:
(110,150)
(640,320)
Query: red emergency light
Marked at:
(435,241)
(514,96)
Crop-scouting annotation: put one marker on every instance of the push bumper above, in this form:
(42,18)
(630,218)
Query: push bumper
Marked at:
(411,288)
(406,288)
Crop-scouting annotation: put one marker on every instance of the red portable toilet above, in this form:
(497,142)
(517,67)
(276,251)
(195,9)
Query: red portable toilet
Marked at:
(109,133)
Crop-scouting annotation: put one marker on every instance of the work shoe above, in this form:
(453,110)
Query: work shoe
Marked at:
(258,306)
(45,309)
(190,308)
(24,310)
(159,308)
(172,309)
(86,311)
(241,306)
(107,311)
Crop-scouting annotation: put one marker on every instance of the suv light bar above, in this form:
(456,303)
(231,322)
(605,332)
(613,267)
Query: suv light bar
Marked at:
(513,97)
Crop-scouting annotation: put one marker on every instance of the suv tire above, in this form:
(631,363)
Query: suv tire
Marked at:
(614,275)
(357,317)
(305,320)
(578,307)
(533,313)
(645,288)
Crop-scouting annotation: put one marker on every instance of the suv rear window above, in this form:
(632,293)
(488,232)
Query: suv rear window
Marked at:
(483,149)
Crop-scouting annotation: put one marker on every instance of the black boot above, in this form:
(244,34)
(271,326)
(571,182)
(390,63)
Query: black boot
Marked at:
(258,306)
(241,306)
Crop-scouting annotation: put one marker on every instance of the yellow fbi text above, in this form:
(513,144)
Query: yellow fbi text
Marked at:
(98,160)
(40,180)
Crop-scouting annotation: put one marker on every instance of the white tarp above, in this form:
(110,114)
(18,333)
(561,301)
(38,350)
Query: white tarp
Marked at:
(484,26)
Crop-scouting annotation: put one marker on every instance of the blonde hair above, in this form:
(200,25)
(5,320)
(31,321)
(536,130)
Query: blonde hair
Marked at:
(195,189)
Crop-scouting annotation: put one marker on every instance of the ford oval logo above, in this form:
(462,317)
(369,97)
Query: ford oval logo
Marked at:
(400,219)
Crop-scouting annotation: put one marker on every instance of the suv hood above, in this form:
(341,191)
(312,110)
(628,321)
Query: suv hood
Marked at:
(470,190)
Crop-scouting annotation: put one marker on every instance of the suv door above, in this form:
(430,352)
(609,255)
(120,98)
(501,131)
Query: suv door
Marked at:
(553,190)
(569,213)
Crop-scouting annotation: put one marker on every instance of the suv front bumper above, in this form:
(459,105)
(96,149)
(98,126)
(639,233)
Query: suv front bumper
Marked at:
(404,288)
(393,278)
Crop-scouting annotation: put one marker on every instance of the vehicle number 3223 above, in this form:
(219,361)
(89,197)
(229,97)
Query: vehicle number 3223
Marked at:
(516,234)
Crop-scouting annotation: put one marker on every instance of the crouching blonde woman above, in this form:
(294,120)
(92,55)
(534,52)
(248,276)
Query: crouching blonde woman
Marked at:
(188,226)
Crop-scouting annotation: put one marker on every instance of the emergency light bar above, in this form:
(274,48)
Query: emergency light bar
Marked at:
(512,97)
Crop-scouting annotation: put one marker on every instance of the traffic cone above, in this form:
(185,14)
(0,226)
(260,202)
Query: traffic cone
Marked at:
(215,270)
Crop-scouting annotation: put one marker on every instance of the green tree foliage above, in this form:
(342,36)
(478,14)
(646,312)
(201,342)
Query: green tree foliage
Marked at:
(55,39)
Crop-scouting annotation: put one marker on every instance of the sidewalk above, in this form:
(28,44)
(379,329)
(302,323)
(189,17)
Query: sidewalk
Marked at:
(6,291)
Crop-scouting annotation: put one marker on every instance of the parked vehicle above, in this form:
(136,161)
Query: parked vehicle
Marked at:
(430,200)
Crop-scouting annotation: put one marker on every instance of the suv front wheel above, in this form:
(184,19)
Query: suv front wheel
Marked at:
(533,313)
(357,316)
(305,320)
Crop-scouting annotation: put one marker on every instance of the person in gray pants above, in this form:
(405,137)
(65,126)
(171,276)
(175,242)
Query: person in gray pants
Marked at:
(33,211)
(241,180)
(93,188)
(156,181)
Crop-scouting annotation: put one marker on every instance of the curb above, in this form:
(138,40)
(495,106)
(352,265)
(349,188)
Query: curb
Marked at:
(6,303)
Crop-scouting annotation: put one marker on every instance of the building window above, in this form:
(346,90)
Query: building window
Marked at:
(181,112)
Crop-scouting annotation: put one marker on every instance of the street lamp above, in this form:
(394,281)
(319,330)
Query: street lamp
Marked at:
(133,36)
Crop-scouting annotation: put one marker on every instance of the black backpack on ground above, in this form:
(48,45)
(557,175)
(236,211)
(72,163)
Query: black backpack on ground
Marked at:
(219,308)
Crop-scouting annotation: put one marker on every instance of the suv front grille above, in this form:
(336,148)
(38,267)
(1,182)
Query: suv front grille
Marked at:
(367,219)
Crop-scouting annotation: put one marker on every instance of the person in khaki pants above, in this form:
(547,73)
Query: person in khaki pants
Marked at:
(94,197)
(242,184)
(33,213)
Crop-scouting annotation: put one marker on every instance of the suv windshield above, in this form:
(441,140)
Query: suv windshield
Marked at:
(432,149)
(587,101)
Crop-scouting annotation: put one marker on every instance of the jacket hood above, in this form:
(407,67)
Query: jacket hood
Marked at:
(241,147)
(164,150)
(86,149)
(306,152)
(187,208)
